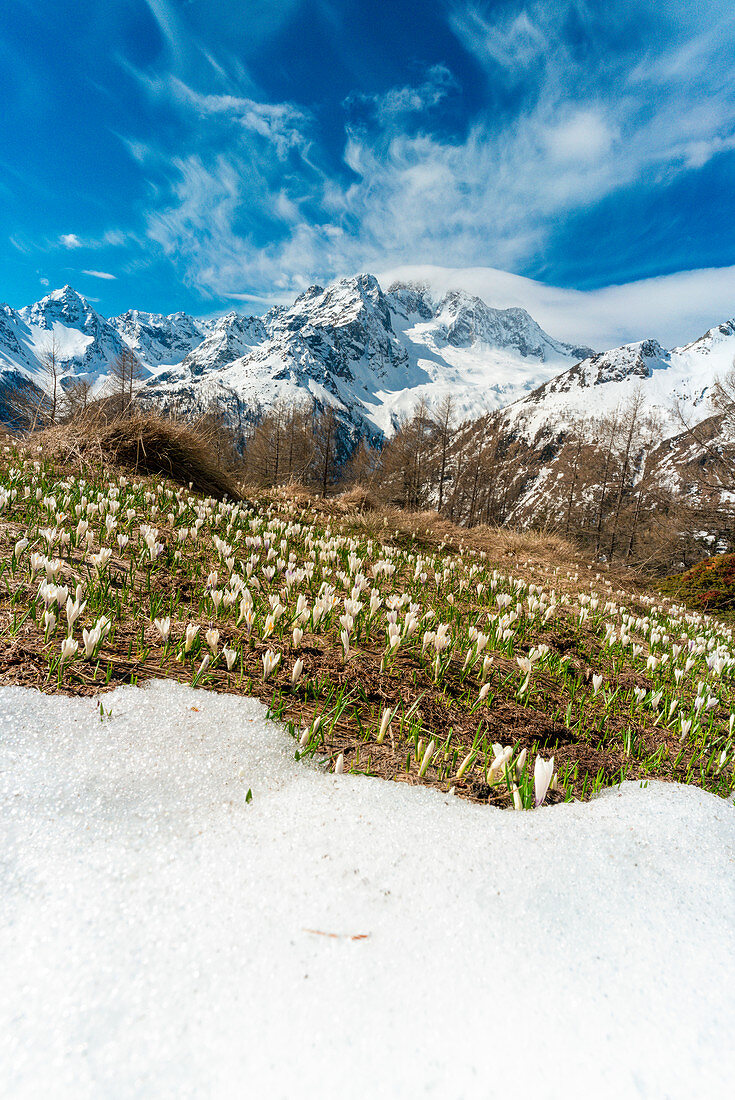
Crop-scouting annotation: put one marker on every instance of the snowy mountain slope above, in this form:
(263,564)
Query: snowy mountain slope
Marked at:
(698,465)
(85,345)
(330,346)
(228,338)
(483,357)
(160,340)
(373,355)
(370,355)
(600,384)
(85,341)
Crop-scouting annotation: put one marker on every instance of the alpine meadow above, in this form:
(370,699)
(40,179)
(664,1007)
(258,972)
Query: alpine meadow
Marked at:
(367,549)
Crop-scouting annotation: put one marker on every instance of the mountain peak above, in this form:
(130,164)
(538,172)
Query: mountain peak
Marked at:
(63,293)
(66,296)
(63,304)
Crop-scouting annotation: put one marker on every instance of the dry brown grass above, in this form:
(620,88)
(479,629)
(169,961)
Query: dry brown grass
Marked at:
(359,508)
(360,499)
(142,442)
(430,529)
(293,491)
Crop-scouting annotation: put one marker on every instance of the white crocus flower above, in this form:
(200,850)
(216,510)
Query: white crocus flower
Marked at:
(69,648)
(297,671)
(426,760)
(501,757)
(212,638)
(271,661)
(191,632)
(230,656)
(163,626)
(543,771)
(385,722)
(91,639)
(101,559)
(464,765)
(73,610)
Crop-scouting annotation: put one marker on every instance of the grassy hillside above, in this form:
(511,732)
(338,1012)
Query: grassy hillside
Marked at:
(709,586)
(392,644)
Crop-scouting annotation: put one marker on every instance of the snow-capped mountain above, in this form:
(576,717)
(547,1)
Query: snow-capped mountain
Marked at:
(370,355)
(601,384)
(228,339)
(85,342)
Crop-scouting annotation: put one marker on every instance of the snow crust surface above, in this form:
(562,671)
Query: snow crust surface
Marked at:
(159,935)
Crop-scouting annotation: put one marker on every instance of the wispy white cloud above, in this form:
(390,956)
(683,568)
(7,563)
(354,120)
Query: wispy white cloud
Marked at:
(281,124)
(673,309)
(99,274)
(111,238)
(397,105)
(115,238)
(511,42)
(252,204)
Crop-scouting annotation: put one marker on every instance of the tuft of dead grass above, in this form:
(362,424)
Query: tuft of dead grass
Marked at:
(143,442)
(359,499)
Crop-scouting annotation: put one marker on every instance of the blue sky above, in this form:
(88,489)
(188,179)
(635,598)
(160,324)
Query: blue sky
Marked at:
(192,154)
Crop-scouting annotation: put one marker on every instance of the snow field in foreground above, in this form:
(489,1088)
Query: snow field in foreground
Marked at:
(155,928)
